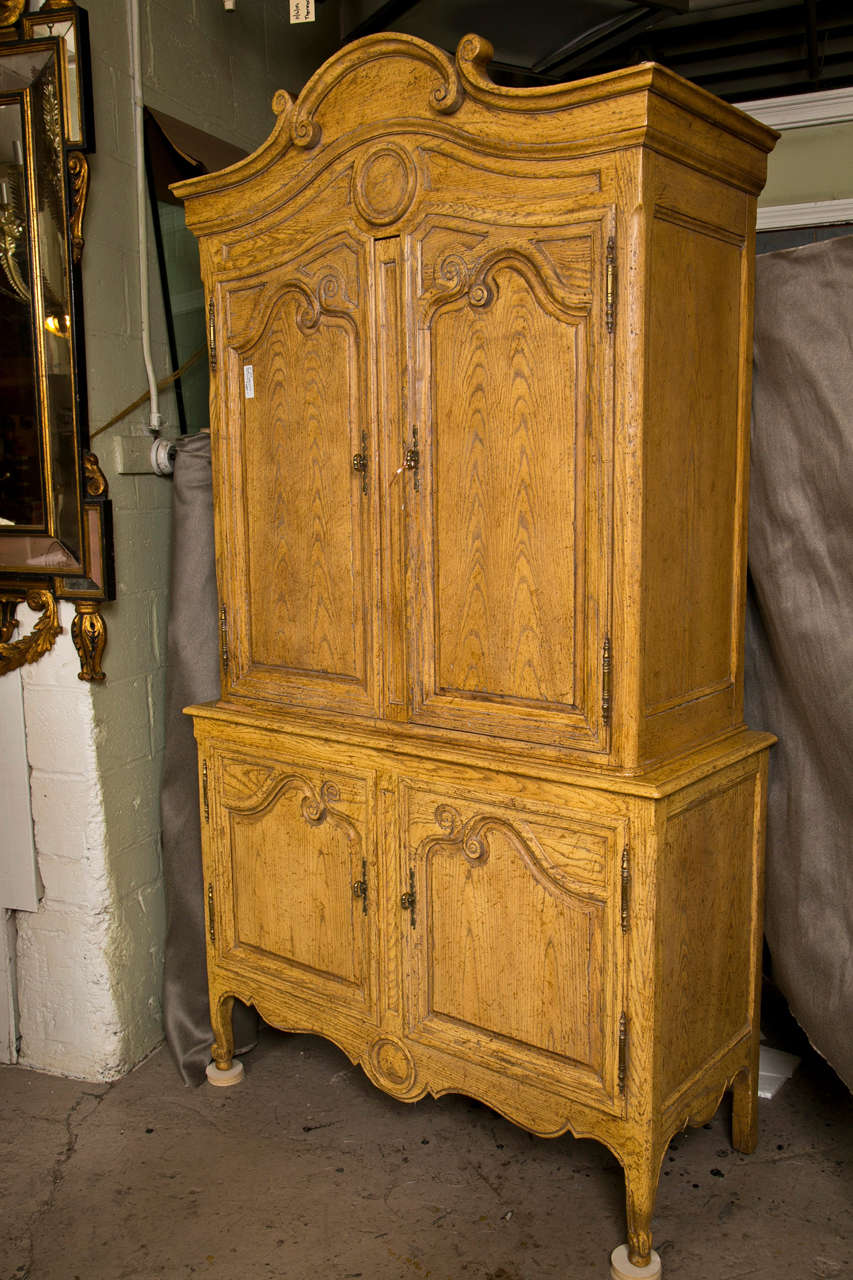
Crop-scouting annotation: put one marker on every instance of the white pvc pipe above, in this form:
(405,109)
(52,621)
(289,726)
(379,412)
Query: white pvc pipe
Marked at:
(154,418)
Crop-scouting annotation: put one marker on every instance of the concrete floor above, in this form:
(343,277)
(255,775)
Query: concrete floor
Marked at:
(306,1171)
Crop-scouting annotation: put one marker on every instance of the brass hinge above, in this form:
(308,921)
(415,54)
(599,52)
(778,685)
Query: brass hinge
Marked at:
(359,887)
(610,285)
(211,926)
(623,1043)
(223,636)
(211,334)
(408,901)
(626,888)
(204,796)
(605,681)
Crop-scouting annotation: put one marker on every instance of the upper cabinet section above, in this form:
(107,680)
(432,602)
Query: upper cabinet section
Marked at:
(480,396)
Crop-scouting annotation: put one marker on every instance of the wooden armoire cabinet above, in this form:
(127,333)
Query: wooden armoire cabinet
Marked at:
(478,800)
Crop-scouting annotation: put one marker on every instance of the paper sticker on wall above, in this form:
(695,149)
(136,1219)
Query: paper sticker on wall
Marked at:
(301,10)
(249,381)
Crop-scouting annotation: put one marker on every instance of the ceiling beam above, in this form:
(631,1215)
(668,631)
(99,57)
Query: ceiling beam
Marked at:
(598,39)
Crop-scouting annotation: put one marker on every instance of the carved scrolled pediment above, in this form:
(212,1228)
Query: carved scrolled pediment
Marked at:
(364,60)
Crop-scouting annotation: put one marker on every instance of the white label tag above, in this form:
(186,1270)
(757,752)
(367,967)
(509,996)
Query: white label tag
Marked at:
(249,381)
(301,10)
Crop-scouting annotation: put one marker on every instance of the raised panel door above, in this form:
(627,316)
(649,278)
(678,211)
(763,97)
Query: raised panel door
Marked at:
(514,356)
(299,579)
(512,942)
(295,864)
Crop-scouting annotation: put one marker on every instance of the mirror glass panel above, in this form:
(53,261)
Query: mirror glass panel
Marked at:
(22,498)
(55,515)
(41,503)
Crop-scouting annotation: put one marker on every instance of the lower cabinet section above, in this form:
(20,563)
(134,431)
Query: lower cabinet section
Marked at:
(577,956)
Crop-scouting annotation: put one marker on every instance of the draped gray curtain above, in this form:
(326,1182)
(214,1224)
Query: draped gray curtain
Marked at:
(192,676)
(799,656)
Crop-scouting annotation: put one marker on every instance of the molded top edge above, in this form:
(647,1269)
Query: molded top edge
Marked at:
(457,80)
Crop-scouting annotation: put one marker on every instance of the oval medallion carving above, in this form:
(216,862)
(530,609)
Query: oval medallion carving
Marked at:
(383,184)
(392,1065)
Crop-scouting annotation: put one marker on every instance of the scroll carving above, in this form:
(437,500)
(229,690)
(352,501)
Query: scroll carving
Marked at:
(445,98)
(89,633)
(78,172)
(260,788)
(96,481)
(327,296)
(457,276)
(473,55)
(10,12)
(8,621)
(471,838)
(575,866)
(17,653)
(12,230)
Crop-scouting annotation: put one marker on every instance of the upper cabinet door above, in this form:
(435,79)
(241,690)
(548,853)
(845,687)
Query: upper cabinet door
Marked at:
(514,362)
(296,490)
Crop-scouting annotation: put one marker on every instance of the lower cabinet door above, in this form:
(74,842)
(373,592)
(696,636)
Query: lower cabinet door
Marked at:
(294,860)
(513,948)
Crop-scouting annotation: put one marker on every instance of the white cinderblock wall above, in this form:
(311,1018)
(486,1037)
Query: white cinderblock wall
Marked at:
(89,960)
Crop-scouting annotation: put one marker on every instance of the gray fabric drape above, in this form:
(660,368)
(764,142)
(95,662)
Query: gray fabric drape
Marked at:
(192,676)
(799,667)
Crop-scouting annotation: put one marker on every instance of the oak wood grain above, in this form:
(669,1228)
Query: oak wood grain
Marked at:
(481,807)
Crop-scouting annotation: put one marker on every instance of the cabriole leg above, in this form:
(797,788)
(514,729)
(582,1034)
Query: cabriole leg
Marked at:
(223,1070)
(637,1260)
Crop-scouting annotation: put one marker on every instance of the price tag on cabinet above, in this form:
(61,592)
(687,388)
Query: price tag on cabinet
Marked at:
(249,381)
(301,10)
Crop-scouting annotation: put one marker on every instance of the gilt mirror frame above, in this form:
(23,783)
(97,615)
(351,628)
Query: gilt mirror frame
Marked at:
(55,516)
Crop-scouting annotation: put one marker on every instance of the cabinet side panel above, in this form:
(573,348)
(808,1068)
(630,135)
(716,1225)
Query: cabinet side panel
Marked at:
(691,479)
(696,422)
(706,927)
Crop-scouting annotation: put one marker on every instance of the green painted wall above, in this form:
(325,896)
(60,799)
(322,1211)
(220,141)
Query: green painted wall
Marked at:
(814,163)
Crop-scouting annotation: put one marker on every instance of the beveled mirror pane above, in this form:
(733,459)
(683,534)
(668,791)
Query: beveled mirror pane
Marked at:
(63,28)
(21,478)
(40,446)
(54,304)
